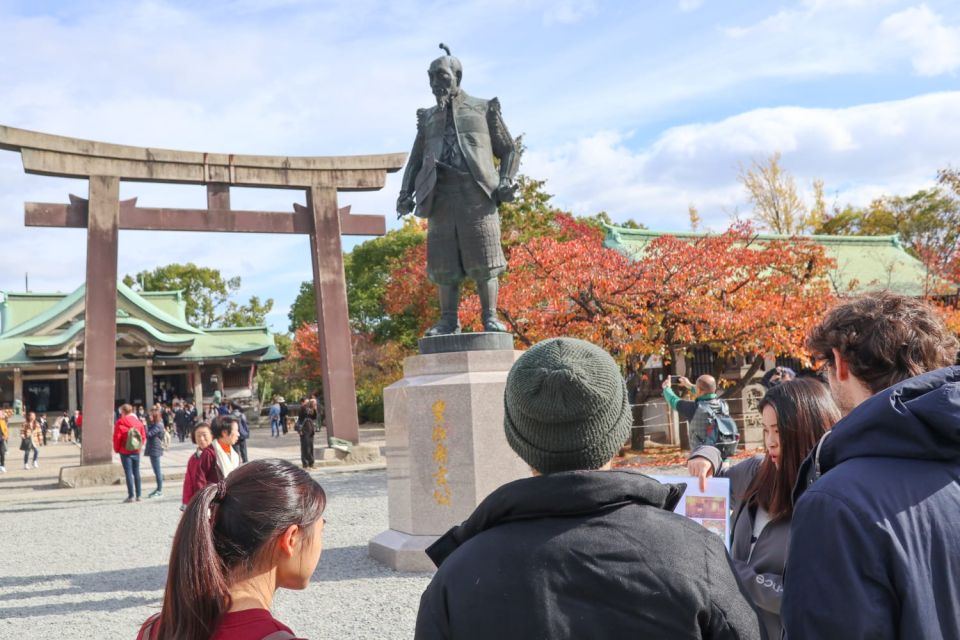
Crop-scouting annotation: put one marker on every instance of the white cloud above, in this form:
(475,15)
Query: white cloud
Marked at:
(569,11)
(860,152)
(295,77)
(689,5)
(932,46)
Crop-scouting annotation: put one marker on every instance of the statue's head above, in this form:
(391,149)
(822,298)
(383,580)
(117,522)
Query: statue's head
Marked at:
(445,74)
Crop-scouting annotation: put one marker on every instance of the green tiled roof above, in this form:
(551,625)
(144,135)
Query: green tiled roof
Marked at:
(17,308)
(157,317)
(863,262)
(170,302)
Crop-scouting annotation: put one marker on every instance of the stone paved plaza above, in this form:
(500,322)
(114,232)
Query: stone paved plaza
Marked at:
(77,563)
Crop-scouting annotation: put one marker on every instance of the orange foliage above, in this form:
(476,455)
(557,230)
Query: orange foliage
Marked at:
(409,289)
(727,291)
(304,356)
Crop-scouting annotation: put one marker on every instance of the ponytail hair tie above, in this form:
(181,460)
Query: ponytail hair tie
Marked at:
(221,491)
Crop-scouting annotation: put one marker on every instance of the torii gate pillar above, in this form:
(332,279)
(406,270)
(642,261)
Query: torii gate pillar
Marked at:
(100,319)
(103,215)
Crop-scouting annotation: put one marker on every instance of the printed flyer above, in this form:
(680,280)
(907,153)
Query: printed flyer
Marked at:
(711,508)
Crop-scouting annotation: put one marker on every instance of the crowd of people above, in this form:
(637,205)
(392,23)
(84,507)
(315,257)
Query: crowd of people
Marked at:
(221,436)
(38,431)
(845,527)
(137,432)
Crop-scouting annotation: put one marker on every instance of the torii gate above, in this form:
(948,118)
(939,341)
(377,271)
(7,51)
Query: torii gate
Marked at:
(103,214)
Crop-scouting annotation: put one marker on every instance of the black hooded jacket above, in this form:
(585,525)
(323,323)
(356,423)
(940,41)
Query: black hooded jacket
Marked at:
(582,554)
(875,540)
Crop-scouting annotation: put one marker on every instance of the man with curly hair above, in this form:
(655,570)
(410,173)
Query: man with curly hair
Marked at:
(875,538)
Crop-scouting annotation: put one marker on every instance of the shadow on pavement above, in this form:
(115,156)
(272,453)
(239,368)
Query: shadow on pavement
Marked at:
(142,578)
(109,605)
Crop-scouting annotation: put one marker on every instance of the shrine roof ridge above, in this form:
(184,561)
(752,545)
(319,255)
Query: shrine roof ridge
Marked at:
(649,234)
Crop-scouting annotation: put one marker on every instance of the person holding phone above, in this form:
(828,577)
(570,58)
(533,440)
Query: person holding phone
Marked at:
(701,412)
(795,416)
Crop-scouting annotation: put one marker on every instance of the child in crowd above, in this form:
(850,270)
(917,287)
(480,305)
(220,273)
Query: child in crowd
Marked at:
(193,481)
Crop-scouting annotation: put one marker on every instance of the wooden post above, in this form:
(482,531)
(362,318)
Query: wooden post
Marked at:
(148,383)
(72,386)
(333,324)
(100,320)
(198,390)
(18,390)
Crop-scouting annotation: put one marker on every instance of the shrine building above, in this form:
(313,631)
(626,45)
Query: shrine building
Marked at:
(863,263)
(159,354)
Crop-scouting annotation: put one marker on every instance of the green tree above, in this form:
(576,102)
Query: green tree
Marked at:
(367,269)
(304,307)
(252,314)
(927,222)
(206,293)
(773,194)
(280,378)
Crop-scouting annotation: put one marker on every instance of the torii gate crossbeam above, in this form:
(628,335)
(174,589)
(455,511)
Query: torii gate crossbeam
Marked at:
(103,214)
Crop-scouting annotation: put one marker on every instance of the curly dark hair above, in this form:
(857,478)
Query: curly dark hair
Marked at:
(885,338)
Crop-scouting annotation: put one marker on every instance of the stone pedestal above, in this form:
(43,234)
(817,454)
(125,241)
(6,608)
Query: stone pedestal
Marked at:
(92,475)
(446,450)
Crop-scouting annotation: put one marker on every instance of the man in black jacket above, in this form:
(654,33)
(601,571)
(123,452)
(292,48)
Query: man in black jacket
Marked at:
(875,537)
(579,550)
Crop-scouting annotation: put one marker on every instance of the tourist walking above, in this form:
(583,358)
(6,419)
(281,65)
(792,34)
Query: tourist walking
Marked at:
(194,480)
(244,430)
(64,427)
(579,550)
(308,428)
(44,428)
(182,420)
(237,543)
(31,436)
(275,418)
(875,541)
(284,412)
(76,423)
(795,415)
(4,438)
(129,435)
(154,448)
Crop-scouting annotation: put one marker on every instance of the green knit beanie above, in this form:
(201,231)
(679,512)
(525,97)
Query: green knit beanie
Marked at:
(565,406)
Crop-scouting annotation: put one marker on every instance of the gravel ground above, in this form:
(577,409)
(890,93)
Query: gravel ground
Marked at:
(78,563)
(81,560)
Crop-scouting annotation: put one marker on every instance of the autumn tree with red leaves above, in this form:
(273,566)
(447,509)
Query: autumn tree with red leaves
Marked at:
(729,291)
(375,366)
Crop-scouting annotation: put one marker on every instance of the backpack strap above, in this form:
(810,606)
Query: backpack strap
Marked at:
(816,458)
(280,635)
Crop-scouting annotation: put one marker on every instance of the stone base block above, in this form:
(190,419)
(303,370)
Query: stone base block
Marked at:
(90,475)
(456,342)
(358,454)
(402,551)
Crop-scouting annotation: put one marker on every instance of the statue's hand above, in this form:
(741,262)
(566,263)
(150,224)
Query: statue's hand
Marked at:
(507,191)
(405,204)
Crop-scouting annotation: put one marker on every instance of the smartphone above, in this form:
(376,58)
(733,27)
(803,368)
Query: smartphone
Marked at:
(674,379)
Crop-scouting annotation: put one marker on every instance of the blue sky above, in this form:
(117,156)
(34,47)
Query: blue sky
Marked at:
(636,108)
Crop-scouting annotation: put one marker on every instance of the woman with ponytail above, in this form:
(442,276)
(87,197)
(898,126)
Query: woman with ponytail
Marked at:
(238,542)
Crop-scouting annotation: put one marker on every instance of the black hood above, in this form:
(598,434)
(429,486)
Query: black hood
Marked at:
(557,495)
(918,418)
